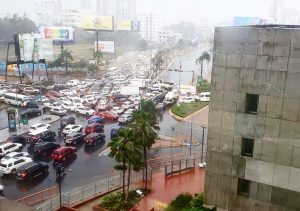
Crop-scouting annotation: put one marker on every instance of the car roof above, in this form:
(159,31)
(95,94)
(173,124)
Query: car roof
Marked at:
(38,132)
(73,134)
(36,124)
(13,159)
(92,135)
(28,165)
(41,144)
(7,144)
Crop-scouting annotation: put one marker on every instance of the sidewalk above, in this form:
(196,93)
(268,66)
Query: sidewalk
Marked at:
(165,189)
(4,133)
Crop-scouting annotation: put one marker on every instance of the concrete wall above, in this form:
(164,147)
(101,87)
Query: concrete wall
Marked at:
(7,205)
(263,61)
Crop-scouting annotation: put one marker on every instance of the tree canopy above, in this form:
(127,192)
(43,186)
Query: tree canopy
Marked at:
(15,25)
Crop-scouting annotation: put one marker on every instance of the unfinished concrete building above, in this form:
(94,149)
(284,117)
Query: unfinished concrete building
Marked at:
(253,152)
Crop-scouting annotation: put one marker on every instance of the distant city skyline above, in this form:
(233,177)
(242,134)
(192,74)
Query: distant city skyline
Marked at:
(174,11)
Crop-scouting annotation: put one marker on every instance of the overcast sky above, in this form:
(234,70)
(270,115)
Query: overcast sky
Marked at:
(173,11)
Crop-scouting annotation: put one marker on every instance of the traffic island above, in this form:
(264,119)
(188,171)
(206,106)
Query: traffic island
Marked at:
(186,109)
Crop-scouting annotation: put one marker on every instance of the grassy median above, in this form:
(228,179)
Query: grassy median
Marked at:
(186,109)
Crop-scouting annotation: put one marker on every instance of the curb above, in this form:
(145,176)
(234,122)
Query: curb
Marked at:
(185,118)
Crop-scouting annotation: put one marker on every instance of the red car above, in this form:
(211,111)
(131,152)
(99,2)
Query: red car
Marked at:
(107,115)
(94,128)
(55,94)
(63,153)
(49,95)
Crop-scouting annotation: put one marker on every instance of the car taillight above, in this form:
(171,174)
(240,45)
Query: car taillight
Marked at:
(23,174)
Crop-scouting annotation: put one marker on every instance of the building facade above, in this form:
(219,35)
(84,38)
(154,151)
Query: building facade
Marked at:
(150,26)
(48,12)
(253,151)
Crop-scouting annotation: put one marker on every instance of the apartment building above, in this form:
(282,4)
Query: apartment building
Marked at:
(253,151)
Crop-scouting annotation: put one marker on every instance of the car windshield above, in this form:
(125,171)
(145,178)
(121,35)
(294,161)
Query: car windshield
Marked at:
(3,165)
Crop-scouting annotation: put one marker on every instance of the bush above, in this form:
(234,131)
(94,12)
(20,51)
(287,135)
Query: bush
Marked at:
(180,202)
(113,202)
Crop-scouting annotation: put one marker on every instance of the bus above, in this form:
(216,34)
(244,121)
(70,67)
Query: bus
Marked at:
(16,99)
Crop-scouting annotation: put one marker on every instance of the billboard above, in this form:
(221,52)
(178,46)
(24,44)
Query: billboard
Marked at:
(135,26)
(245,21)
(105,46)
(57,33)
(123,25)
(33,48)
(93,22)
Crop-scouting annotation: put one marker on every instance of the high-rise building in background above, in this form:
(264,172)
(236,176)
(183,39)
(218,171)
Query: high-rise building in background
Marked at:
(48,12)
(106,7)
(253,147)
(88,5)
(120,9)
(150,26)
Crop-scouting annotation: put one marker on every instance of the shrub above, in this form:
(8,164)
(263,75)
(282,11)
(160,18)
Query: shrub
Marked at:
(113,202)
(180,202)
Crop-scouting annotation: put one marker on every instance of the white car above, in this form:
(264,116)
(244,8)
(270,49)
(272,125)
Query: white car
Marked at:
(10,147)
(84,110)
(125,118)
(60,111)
(127,105)
(67,92)
(69,106)
(129,111)
(39,127)
(14,155)
(73,82)
(186,100)
(72,129)
(30,90)
(117,110)
(10,166)
(42,99)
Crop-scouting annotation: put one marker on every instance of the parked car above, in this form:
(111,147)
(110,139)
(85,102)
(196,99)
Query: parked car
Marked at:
(74,82)
(94,138)
(128,104)
(54,94)
(10,166)
(58,87)
(45,148)
(14,155)
(31,171)
(41,99)
(41,136)
(96,119)
(74,138)
(107,115)
(72,129)
(39,127)
(67,120)
(30,90)
(84,110)
(63,153)
(31,112)
(94,128)
(9,147)
(20,139)
(114,132)
(59,111)
(125,118)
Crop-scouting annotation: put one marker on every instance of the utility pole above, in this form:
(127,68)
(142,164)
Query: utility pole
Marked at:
(191,138)
(202,164)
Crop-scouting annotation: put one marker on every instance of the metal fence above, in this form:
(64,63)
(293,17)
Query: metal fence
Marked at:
(89,191)
(176,167)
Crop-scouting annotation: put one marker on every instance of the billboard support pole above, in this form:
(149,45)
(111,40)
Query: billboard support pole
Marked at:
(7,52)
(97,39)
(32,69)
(62,47)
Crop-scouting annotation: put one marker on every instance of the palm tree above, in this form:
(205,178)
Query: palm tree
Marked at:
(65,56)
(144,134)
(122,148)
(97,55)
(158,60)
(205,56)
(134,163)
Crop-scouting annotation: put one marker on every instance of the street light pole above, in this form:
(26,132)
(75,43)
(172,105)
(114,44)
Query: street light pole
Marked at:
(191,137)
(202,164)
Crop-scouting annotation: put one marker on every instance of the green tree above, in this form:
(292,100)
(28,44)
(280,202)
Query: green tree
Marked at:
(98,55)
(205,56)
(122,148)
(65,57)
(149,107)
(144,135)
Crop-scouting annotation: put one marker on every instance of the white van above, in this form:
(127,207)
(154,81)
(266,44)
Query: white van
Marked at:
(205,96)
(10,147)
(16,99)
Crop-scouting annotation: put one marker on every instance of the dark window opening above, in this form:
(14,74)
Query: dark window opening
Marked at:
(247,147)
(243,187)
(251,103)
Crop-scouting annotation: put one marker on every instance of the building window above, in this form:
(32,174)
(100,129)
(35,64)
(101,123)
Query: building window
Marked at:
(243,187)
(247,147)
(251,103)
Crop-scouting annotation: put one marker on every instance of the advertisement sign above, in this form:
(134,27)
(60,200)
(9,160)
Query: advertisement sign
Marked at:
(33,48)
(105,46)
(123,25)
(135,26)
(57,33)
(93,22)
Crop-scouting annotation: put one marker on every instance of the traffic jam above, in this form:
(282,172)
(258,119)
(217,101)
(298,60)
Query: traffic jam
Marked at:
(98,102)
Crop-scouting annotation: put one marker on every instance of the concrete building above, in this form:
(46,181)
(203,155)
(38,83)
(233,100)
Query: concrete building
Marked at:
(106,7)
(48,12)
(253,151)
(88,6)
(150,26)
